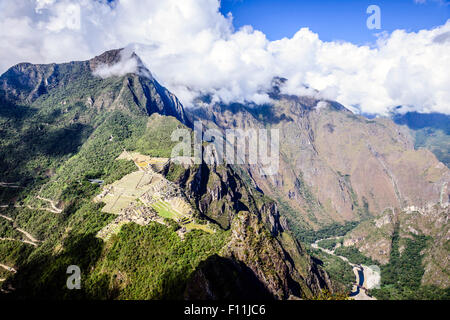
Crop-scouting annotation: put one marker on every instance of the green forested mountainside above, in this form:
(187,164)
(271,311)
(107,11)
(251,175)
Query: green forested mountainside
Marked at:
(330,244)
(53,128)
(333,230)
(162,269)
(156,140)
(60,127)
(411,248)
(340,271)
(354,256)
(402,276)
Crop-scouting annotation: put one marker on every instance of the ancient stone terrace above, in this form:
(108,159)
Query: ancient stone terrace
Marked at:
(144,196)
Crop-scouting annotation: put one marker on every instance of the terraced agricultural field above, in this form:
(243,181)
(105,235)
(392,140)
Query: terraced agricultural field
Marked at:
(195,226)
(165,210)
(143,161)
(123,192)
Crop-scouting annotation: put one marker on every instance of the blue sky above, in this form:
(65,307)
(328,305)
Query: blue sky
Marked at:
(335,20)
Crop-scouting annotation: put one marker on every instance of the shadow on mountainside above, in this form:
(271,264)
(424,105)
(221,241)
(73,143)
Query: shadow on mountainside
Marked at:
(218,278)
(44,276)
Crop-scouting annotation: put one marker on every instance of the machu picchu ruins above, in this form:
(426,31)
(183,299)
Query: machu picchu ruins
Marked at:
(144,196)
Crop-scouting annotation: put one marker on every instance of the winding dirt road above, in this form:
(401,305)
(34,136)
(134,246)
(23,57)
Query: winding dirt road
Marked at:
(31,240)
(52,203)
(23,241)
(7,268)
(5,217)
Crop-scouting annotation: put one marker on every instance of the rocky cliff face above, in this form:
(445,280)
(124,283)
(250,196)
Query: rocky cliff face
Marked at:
(335,166)
(260,242)
(252,244)
(217,191)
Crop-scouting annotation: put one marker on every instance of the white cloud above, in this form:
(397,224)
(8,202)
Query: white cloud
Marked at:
(126,64)
(192,49)
(321,105)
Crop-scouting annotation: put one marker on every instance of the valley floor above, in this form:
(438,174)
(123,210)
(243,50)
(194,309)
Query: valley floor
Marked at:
(370,278)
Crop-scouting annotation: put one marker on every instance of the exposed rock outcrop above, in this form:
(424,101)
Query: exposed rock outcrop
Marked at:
(258,243)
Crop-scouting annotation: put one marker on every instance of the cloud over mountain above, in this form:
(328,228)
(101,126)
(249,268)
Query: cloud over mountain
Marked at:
(193,49)
(126,64)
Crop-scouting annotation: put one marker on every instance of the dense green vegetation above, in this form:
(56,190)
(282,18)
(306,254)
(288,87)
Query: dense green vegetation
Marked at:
(157,140)
(175,171)
(68,239)
(156,261)
(330,244)
(14,253)
(51,148)
(7,230)
(401,277)
(151,262)
(340,272)
(97,156)
(333,230)
(354,255)
(37,137)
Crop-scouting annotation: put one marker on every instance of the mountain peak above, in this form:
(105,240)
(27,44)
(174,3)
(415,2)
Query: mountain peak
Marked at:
(118,62)
(25,83)
(109,57)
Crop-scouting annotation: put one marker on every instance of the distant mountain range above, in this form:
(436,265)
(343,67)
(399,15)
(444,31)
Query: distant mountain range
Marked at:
(431,131)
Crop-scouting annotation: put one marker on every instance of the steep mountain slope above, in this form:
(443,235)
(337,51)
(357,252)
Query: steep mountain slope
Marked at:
(138,91)
(258,237)
(49,111)
(63,131)
(334,166)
